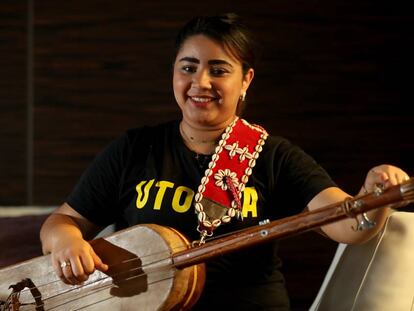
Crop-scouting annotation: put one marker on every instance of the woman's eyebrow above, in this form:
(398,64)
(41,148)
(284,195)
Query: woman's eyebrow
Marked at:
(210,62)
(190,59)
(219,62)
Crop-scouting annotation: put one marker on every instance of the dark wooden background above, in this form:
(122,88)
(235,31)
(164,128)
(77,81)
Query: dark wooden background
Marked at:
(334,77)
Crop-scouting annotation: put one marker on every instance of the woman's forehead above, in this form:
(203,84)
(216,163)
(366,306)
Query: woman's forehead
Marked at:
(204,48)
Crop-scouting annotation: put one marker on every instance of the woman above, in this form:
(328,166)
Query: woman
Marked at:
(152,175)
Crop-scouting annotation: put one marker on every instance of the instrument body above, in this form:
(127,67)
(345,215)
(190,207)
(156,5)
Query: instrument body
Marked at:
(140,274)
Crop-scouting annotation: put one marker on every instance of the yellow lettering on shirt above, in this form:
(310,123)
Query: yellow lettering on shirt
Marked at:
(179,192)
(183,197)
(163,185)
(142,197)
(250,202)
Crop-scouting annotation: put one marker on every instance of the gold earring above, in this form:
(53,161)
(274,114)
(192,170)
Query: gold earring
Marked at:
(243,97)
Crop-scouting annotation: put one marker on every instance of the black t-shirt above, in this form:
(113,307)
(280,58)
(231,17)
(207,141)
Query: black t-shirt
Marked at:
(148,175)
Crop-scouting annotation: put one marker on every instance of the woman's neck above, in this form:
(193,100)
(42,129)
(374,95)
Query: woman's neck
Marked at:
(198,140)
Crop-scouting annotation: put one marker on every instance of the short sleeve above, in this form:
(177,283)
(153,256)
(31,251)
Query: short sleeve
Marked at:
(296,177)
(96,194)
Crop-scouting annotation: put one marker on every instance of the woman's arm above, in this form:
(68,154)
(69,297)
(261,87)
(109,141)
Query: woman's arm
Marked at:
(343,231)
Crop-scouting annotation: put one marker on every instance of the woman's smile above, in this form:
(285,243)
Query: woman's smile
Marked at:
(202,101)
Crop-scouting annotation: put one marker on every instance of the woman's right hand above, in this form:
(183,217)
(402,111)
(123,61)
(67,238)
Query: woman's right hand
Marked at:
(62,235)
(74,260)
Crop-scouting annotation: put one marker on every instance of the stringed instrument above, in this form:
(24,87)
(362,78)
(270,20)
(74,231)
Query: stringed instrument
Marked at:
(152,267)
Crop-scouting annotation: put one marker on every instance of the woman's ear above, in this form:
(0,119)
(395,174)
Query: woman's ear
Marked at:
(247,79)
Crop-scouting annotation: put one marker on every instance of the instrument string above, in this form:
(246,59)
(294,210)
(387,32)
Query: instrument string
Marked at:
(110,286)
(106,287)
(131,260)
(93,303)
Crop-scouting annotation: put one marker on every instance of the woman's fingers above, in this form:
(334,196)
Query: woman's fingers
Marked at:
(385,175)
(65,267)
(98,264)
(58,267)
(74,266)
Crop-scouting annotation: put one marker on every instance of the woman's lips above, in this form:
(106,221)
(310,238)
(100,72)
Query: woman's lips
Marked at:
(201,101)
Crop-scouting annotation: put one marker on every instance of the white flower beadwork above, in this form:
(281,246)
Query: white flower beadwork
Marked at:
(219,177)
(235,149)
(232,149)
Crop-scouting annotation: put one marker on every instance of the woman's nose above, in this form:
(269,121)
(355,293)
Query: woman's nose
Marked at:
(202,80)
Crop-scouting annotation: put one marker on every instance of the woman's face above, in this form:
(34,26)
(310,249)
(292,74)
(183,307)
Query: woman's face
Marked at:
(208,82)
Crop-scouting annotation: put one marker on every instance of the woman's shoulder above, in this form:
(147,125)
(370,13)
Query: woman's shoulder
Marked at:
(275,140)
(284,151)
(279,144)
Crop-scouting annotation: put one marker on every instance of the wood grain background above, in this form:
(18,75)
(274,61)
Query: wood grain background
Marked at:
(334,77)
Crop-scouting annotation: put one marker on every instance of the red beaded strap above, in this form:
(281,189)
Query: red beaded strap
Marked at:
(228,173)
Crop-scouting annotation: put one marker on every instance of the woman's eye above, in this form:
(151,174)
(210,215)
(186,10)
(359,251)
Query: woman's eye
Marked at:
(190,69)
(218,71)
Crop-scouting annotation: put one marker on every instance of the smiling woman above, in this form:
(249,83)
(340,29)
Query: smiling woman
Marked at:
(154,175)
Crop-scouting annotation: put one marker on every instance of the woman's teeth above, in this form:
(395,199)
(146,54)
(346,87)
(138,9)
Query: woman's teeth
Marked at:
(201,99)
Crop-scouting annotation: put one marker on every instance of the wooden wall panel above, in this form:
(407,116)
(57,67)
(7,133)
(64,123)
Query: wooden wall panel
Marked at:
(13,99)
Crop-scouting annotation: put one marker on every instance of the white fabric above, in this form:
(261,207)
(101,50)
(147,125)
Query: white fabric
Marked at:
(375,276)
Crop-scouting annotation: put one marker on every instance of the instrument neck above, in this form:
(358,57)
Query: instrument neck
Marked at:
(293,225)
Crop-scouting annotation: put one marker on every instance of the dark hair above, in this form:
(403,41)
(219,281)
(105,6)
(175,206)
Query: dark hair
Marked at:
(227,29)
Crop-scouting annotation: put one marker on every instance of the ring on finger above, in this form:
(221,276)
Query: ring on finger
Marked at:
(65,264)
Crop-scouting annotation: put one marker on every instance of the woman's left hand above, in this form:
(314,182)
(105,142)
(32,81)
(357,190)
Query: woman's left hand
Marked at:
(384,175)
